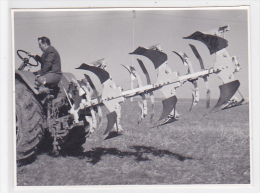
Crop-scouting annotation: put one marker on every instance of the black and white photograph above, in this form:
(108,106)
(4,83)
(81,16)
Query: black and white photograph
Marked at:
(131,96)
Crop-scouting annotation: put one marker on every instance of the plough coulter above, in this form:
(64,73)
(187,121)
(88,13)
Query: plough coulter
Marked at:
(81,108)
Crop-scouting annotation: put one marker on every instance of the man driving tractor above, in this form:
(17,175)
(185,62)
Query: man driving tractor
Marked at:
(50,72)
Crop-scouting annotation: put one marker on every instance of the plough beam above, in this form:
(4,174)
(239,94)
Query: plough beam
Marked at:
(152,87)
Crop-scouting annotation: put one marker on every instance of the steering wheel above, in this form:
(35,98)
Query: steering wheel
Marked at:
(26,59)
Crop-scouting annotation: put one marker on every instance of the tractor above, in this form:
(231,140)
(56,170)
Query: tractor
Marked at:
(40,114)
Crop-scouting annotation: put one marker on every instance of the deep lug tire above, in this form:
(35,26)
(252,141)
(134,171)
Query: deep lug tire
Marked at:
(29,121)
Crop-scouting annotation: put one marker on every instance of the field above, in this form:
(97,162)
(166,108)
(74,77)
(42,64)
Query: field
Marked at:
(197,149)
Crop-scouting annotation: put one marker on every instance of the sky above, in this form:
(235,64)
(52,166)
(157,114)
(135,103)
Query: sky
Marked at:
(91,34)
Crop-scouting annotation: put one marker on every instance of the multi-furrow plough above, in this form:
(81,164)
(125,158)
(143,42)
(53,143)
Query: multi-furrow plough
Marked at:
(167,82)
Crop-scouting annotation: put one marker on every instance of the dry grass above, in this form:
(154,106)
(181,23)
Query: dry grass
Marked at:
(197,149)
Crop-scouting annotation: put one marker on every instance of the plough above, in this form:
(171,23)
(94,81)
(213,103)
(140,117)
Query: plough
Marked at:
(167,82)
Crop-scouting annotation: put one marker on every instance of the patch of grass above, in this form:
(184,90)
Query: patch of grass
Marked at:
(197,149)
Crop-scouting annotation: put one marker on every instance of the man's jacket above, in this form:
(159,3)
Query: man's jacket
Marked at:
(50,61)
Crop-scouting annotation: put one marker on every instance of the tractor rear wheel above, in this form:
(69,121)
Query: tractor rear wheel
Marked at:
(29,121)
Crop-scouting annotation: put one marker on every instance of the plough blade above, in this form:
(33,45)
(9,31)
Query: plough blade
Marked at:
(205,78)
(143,104)
(111,119)
(101,74)
(141,64)
(77,99)
(157,57)
(91,119)
(110,92)
(196,53)
(227,91)
(208,98)
(111,101)
(195,93)
(168,105)
(127,68)
(91,84)
(132,78)
(100,121)
(214,43)
(168,90)
(134,75)
(182,56)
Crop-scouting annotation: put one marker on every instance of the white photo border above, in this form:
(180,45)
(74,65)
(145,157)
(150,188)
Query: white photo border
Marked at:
(7,157)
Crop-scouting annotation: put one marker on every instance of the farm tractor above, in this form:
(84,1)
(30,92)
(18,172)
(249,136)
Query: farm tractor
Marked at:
(70,111)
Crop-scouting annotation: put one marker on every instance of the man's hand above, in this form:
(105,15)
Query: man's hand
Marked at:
(34,56)
(31,54)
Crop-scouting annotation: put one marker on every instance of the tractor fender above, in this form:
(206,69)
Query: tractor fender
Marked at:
(29,78)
